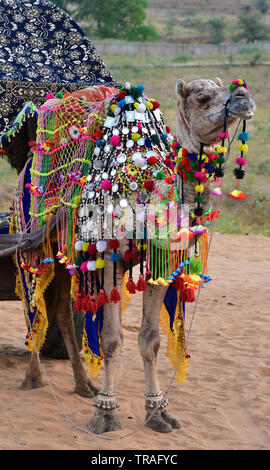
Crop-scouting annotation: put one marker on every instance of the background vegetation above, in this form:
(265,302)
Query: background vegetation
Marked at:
(157,74)
(203,21)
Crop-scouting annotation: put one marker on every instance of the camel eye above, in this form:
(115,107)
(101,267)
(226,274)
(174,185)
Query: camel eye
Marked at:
(203,98)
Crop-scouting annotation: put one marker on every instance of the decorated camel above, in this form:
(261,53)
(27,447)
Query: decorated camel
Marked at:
(99,162)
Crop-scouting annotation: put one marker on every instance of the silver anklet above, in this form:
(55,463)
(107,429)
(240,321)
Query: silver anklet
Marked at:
(106,401)
(156,400)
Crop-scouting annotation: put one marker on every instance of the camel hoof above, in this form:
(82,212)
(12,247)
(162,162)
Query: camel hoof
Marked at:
(104,421)
(86,389)
(92,387)
(31,382)
(169,419)
(157,423)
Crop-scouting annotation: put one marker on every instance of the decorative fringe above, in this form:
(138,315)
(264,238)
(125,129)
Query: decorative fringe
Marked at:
(141,284)
(176,339)
(131,287)
(102,298)
(115,296)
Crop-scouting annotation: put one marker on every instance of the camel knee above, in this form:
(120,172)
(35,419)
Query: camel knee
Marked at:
(149,342)
(112,345)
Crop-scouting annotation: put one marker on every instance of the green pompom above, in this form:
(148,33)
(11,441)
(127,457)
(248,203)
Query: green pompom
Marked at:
(79,260)
(160,175)
(155,139)
(59,95)
(221,159)
(135,92)
(195,266)
(198,198)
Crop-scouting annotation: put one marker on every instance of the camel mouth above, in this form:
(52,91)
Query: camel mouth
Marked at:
(244,115)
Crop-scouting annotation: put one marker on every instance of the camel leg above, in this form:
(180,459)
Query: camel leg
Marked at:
(149,342)
(83,385)
(105,417)
(57,296)
(33,376)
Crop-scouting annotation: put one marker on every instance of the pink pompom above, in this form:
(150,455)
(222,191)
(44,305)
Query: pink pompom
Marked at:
(212,156)
(83,266)
(50,96)
(240,161)
(199,174)
(106,185)
(224,135)
(115,140)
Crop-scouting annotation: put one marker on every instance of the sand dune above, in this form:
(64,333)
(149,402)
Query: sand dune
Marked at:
(224,403)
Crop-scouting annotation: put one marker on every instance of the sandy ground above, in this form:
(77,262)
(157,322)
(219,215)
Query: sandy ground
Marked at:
(224,403)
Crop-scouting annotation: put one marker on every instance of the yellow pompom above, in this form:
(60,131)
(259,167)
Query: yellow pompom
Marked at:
(149,105)
(243,147)
(85,246)
(100,263)
(240,81)
(221,149)
(199,188)
(136,105)
(136,137)
(113,107)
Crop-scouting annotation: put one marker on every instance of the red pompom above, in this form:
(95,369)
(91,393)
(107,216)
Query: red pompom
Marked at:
(179,283)
(155,104)
(185,162)
(130,285)
(188,295)
(128,254)
(115,296)
(122,94)
(152,160)
(185,152)
(169,179)
(114,244)
(149,185)
(92,250)
(168,129)
(141,284)
(102,298)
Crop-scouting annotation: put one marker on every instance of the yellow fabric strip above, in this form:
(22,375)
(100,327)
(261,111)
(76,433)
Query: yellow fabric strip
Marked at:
(176,340)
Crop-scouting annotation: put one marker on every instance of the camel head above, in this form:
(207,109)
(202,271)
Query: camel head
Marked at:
(201,111)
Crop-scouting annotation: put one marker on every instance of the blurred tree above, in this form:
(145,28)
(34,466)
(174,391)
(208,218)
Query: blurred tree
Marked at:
(122,19)
(216,27)
(262,5)
(251,28)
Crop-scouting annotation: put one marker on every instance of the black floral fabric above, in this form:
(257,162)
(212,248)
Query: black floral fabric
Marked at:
(42,50)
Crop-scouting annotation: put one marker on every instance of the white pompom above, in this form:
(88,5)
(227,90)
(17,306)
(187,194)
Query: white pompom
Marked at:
(78,245)
(127,85)
(139,161)
(101,246)
(141,108)
(117,111)
(91,265)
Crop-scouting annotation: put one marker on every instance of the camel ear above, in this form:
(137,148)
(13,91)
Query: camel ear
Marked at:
(219,81)
(181,89)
